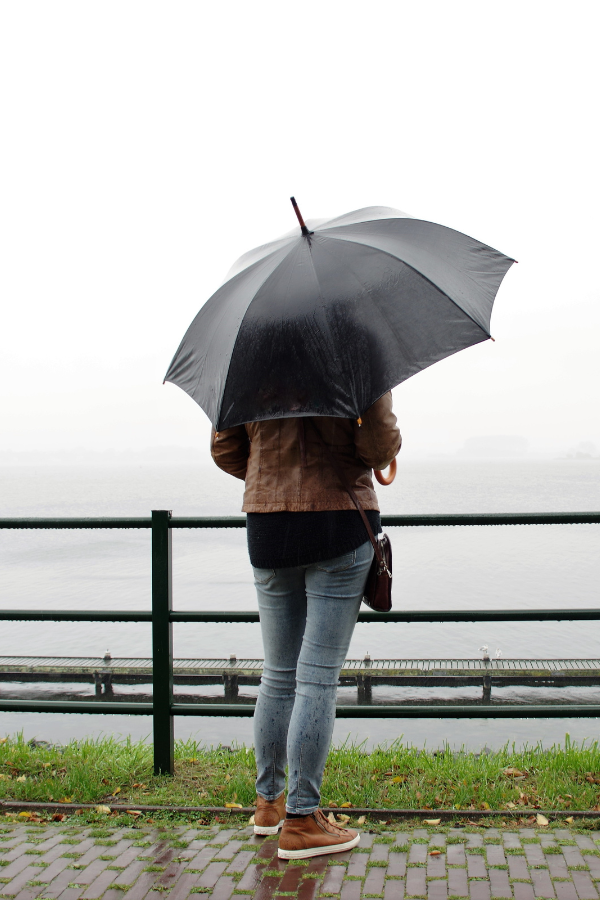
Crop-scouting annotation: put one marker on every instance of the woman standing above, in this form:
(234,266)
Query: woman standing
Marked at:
(311,556)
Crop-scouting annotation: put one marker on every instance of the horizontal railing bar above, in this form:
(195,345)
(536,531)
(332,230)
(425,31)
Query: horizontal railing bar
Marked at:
(409,615)
(415,615)
(534,518)
(412,711)
(416,711)
(73,615)
(76,522)
(109,707)
(539,518)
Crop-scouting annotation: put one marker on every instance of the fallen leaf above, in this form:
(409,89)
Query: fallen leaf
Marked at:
(46,765)
(134,812)
(26,815)
(332,804)
(435,852)
(21,778)
(514,773)
(66,799)
(343,819)
(398,779)
(141,786)
(58,817)
(511,805)
(485,805)
(228,777)
(4,777)
(331,818)
(360,821)
(432,821)
(103,809)
(345,805)
(251,820)
(382,821)
(233,806)
(541,820)
(570,820)
(3,740)
(116,791)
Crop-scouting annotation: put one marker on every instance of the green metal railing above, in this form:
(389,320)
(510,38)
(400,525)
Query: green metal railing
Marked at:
(162,616)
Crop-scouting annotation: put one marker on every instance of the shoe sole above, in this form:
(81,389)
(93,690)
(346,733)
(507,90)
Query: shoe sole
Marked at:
(268,829)
(318,851)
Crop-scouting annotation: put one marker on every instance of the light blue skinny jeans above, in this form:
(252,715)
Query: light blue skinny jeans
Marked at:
(307,616)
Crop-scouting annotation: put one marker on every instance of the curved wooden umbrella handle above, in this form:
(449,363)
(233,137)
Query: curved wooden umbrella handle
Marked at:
(383,479)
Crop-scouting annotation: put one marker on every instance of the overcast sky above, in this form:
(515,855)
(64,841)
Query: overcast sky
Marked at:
(146,145)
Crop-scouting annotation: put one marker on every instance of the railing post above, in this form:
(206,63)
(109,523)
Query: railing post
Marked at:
(162,643)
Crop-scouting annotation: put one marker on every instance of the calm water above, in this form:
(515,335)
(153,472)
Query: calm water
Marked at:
(437,568)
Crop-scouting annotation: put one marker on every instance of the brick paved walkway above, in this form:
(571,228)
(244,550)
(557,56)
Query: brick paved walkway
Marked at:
(69,862)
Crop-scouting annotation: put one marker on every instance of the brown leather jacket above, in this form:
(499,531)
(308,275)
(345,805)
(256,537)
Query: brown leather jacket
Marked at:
(286,467)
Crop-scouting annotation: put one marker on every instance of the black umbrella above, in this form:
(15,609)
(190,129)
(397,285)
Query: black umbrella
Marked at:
(325,321)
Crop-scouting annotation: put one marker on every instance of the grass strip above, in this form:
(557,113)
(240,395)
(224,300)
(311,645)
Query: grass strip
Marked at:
(109,771)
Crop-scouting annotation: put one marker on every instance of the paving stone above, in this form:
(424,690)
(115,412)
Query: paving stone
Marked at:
(511,839)
(98,886)
(573,856)
(565,890)
(229,850)
(90,873)
(474,840)
(308,889)
(222,890)
(495,855)
(211,874)
(436,866)
(437,841)
(380,852)
(332,883)
(374,881)
(455,855)
(292,877)
(437,890)
(523,891)
(358,865)
(593,863)
(397,864)
(366,840)
(499,883)
(241,861)
(557,865)
(542,884)
(418,853)
(479,890)
(251,877)
(415,882)
(584,842)
(351,890)
(142,886)
(394,890)
(534,855)
(517,867)
(476,866)
(266,888)
(458,884)
(28,873)
(584,886)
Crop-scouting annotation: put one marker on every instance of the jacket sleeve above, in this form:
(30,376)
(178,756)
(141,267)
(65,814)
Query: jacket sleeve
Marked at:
(378,439)
(230,450)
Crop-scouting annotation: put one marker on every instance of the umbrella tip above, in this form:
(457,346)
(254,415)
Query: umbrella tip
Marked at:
(303,227)
(492,339)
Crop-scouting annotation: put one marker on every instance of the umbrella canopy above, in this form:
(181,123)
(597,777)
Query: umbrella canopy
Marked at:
(325,320)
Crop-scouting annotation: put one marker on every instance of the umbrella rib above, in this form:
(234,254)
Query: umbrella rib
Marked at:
(420,274)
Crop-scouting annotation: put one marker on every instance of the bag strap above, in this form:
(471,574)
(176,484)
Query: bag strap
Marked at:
(346,485)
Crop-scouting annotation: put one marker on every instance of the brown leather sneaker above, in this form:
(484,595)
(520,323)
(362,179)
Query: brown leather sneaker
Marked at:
(314,835)
(269,815)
